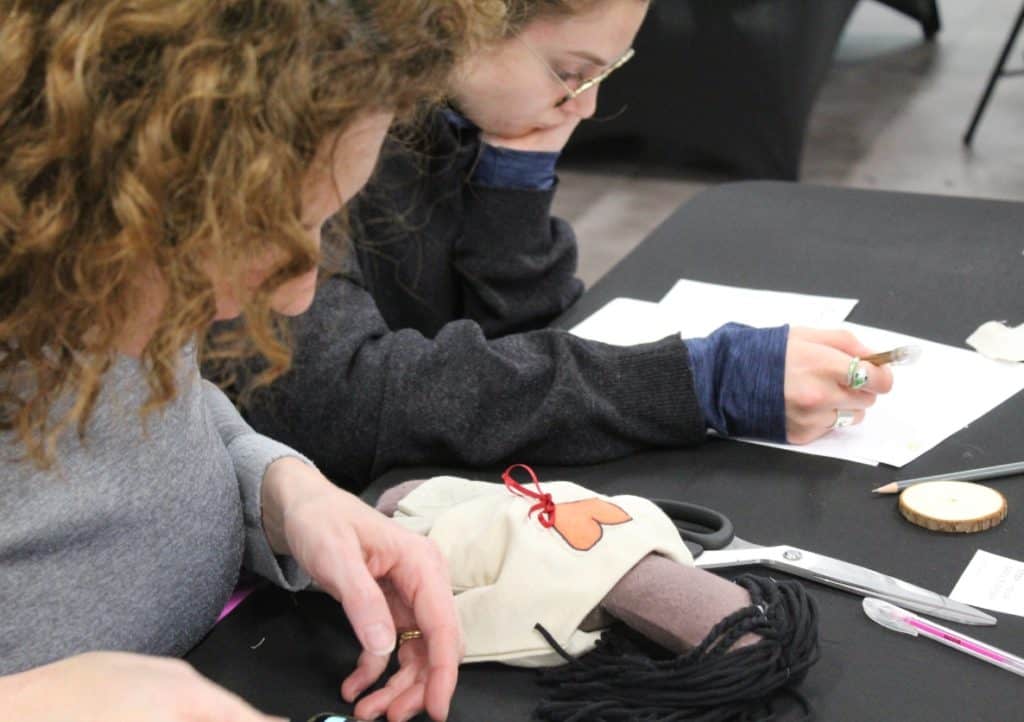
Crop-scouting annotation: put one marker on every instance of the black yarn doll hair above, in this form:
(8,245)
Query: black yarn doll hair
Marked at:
(628,678)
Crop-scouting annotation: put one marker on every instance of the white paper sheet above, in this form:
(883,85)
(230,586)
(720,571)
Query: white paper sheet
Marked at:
(992,582)
(626,322)
(944,391)
(834,451)
(694,309)
(703,307)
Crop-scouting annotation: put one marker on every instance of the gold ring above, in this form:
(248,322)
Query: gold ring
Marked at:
(408,634)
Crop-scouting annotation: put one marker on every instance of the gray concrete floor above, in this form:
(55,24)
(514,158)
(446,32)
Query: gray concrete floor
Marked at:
(890,116)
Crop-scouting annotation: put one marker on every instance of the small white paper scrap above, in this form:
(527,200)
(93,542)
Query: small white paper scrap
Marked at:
(992,582)
(999,341)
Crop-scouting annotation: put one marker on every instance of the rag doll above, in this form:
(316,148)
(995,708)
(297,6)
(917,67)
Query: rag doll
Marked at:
(540,572)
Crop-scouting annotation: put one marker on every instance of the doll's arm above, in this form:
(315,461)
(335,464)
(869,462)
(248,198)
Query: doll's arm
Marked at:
(674,604)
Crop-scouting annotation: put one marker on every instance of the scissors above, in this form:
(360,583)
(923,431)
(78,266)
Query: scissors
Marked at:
(711,539)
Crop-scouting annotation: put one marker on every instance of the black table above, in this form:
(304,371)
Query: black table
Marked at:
(930,266)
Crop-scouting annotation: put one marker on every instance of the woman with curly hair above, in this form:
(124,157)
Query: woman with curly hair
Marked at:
(165,163)
(458,267)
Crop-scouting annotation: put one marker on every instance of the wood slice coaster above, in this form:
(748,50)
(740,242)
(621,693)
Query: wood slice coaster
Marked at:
(956,506)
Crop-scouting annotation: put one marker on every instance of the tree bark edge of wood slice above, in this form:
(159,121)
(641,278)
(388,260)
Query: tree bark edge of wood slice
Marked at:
(953,506)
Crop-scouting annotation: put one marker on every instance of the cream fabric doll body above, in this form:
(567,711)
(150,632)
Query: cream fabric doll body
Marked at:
(564,557)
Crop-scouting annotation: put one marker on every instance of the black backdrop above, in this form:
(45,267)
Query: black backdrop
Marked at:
(723,84)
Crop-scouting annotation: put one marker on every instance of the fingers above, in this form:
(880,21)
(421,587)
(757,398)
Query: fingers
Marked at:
(409,676)
(436,616)
(821,373)
(368,670)
(546,139)
(873,379)
(387,578)
(879,377)
(420,591)
(361,597)
(415,687)
(409,703)
(822,422)
(421,598)
(842,369)
(836,338)
(440,687)
(841,418)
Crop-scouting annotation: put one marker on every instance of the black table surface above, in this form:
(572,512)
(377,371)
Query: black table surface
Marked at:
(934,267)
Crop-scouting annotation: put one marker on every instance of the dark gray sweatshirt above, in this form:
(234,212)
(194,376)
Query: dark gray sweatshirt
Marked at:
(430,346)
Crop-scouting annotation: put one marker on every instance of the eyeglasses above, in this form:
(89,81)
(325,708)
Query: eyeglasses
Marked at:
(586,85)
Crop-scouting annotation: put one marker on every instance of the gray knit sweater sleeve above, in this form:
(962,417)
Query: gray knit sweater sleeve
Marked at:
(252,454)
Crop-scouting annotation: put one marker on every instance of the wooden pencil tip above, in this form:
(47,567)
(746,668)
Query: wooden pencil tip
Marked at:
(890,488)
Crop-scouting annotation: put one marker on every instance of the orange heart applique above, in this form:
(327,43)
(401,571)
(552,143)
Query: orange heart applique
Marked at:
(581,522)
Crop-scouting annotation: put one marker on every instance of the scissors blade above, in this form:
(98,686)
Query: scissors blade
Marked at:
(843,575)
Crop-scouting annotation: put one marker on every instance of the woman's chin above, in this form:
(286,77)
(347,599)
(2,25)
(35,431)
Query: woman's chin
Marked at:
(295,308)
(296,296)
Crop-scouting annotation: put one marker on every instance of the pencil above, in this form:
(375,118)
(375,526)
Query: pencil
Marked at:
(985,472)
(898,355)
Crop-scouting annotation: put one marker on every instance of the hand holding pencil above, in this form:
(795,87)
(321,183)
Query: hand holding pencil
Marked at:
(832,379)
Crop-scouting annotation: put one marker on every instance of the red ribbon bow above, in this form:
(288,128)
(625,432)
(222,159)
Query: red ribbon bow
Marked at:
(545,505)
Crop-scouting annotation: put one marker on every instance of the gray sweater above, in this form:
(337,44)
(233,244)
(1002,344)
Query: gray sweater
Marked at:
(135,539)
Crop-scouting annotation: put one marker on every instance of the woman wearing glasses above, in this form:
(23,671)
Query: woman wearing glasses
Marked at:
(431,348)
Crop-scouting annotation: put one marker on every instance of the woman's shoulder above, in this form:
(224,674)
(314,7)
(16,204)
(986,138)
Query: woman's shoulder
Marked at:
(434,144)
(422,169)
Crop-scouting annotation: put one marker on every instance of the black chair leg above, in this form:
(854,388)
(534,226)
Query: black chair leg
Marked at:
(932,24)
(925,12)
(997,72)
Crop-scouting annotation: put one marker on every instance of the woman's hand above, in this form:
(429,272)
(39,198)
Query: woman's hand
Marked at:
(551,140)
(817,363)
(120,687)
(387,579)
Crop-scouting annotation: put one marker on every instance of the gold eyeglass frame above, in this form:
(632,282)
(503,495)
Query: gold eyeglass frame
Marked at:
(586,85)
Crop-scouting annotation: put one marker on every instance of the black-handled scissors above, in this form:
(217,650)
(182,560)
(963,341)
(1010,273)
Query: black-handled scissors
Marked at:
(700,527)
(711,539)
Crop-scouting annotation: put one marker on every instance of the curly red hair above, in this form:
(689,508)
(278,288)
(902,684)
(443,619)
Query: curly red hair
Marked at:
(174,134)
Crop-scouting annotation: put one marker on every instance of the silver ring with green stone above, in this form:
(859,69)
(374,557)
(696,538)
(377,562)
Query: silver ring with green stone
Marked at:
(856,374)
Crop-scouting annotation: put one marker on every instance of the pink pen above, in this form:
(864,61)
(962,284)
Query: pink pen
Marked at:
(900,620)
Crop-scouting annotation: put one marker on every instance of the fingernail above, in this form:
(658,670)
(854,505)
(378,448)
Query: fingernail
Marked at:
(379,640)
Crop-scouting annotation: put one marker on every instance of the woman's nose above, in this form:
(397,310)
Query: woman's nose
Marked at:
(584,105)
